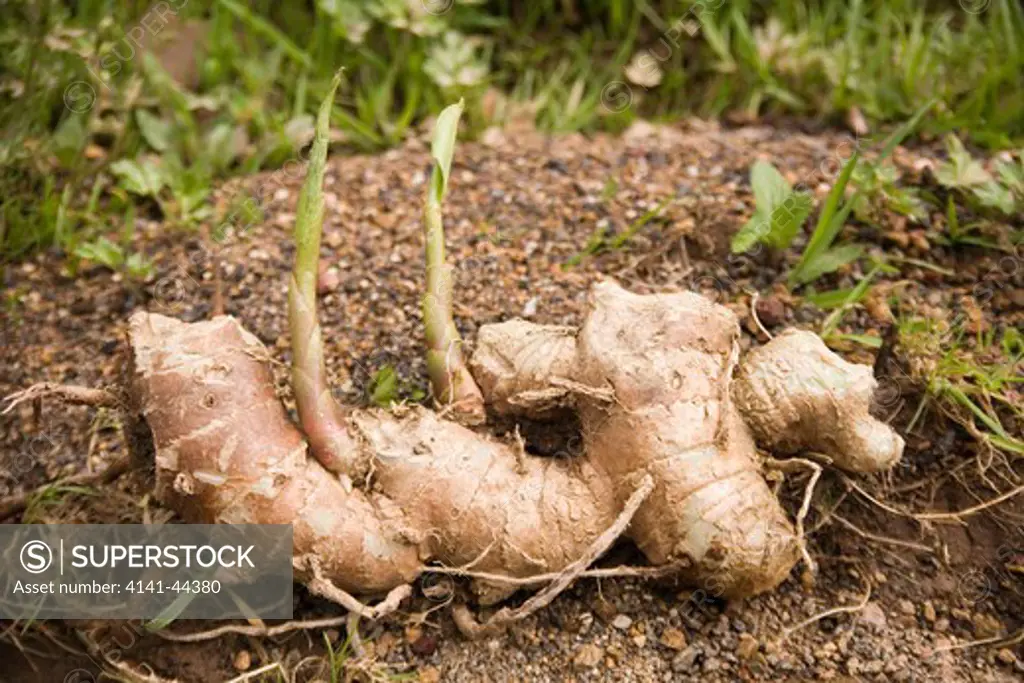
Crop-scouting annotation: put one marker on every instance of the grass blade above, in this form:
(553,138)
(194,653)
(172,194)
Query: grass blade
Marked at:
(264,28)
(828,227)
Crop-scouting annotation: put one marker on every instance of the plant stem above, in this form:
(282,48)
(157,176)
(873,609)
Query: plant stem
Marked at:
(320,415)
(450,378)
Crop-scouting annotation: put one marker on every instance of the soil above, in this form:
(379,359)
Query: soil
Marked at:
(905,599)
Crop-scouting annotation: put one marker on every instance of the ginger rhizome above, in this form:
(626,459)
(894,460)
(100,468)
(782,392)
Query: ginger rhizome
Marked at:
(668,412)
(650,376)
(796,394)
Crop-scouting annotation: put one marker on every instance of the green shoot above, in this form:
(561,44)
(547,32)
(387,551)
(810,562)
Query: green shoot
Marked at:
(384,387)
(321,417)
(449,375)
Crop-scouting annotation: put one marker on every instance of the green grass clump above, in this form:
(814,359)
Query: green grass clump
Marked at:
(94,115)
(974,379)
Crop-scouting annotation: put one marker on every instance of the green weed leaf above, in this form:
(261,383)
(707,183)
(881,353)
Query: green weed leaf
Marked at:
(770,188)
(961,170)
(994,196)
(155,131)
(778,214)
(144,178)
(102,251)
(829,261)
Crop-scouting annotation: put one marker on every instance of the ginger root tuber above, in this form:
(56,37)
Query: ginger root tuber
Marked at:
(226,452)
(375,496)
(649,375)
(796,394)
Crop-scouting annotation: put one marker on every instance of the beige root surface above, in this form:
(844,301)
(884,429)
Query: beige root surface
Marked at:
(651,379)
(796,394)
(226,452)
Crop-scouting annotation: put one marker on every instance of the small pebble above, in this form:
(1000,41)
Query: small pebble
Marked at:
(588,656)
(771,311)
(243,660)
(673,639)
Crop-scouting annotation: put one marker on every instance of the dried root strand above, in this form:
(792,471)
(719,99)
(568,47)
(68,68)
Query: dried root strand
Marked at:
(253,631)
(322,586)
(622,571)
(67,393)
(506,617)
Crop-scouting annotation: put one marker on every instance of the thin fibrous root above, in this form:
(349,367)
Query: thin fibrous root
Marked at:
(757,320)
(323,587)
(1001,641)
(505,617)
(658,572)
(68,393)
(936,516)
(254,631)
(805,506)
(878,538)
(15,504)
(124,672)
(846,609)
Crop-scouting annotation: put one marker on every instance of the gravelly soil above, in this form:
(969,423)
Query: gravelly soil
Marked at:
(519,209)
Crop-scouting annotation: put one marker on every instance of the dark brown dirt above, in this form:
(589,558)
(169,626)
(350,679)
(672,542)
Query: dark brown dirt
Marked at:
(518,211)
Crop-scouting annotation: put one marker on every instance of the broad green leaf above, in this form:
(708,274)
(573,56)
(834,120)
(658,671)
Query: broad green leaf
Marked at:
(787,219)
(753,232)
(102,251)
(69,139)
(770,188)
(155,131)
(443,148)
(995,196)
(1012,175)
(778,212)
(143,178)
(221,146)
(829,261)
(138,266)
(961,170)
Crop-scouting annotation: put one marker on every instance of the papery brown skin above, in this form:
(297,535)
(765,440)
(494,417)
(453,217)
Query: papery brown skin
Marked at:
(651,379)
(667,361)
(796,394)
(226,452)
